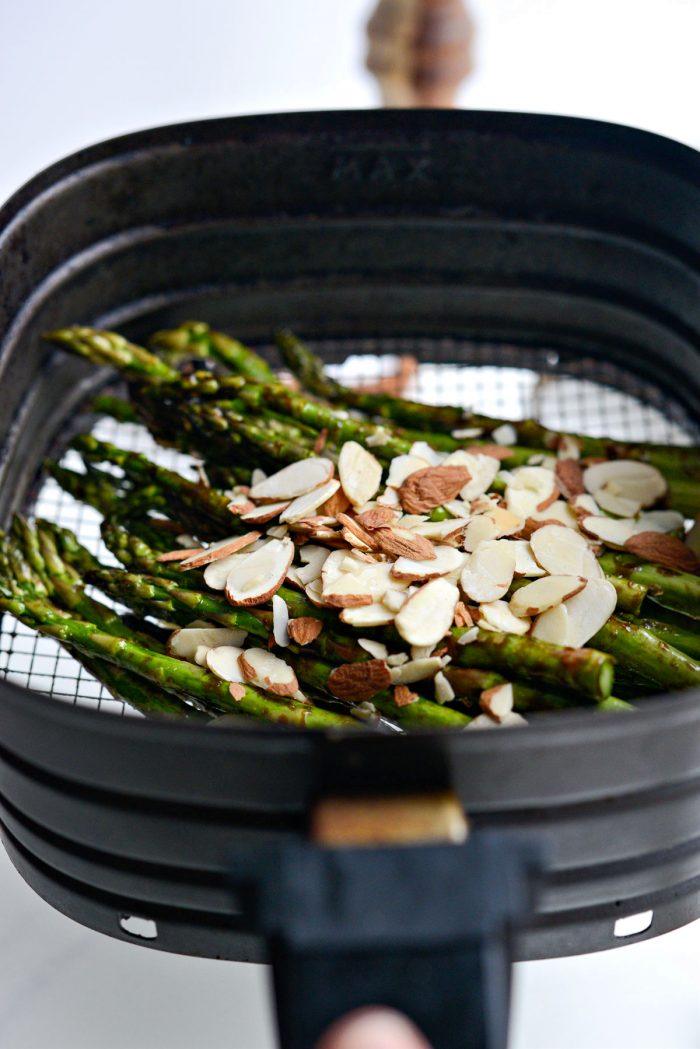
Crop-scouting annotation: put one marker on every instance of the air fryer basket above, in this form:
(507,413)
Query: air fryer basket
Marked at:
(547,261)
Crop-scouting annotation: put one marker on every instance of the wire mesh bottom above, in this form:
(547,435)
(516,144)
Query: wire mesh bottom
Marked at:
(580,395)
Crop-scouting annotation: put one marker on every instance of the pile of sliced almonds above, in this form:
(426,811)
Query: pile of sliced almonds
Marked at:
(521,559)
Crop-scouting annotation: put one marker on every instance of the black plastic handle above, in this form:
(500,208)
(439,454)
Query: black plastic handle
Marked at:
(425,929)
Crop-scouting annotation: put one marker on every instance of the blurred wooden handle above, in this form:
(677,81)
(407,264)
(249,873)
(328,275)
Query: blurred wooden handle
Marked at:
(420,50)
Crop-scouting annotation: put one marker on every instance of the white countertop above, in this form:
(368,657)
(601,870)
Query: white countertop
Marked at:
(75,72)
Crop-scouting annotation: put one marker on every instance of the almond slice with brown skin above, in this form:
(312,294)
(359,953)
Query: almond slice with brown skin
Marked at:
(304,505)
(224,548)
(223,661)
(497,702)
(216,573)
(241,505)
(265,513)
(489,571)
(268,671)
(613,532)
(482,470)
(552,626)
(589,611)
(359,471)
(181,554)
(545,593)
(425,489)
(627,478)
(378,517)
(569,477)
(561,551)
(402,466)
(403,696)
(450,531)
(401,542)
(337,504)
(462,615)
(489,526)
(356,682)
(664,550)
(365,537)
(427,616)
(446,559)
(261,574)
(304,629)
(530,489)
(292,481)
(183,643)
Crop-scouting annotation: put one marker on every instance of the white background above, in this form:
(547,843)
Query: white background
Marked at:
(77,71)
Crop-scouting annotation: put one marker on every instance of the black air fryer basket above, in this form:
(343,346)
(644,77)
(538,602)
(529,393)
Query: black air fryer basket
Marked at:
(565,253)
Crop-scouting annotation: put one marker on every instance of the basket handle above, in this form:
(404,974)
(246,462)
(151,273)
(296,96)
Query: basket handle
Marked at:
(423,928)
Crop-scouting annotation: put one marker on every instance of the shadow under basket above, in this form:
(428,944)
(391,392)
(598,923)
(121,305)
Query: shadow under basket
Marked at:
(532,265)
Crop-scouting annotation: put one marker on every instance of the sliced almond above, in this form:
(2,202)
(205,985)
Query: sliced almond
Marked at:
(389,497)
(427,616)
(416,670)
(525,563)
(469,636)
(292,481)
(366,538)
(496,451)
(569,477)
(568,447)
(224,548)
(397,659)
(450,531)
(200,656)
(265,513)
(240,505)
(497,702)
(402,466)
(489,571)
(183,644)
(376,614)
(545,593)
(561,551)
(224,662)
(557,511)
(585,504)
(497,616)
(237,691)
(314,558)
(446,559)
(268,671)
(256,477)
(304,505)
(261,574)
(403,696)
(355,682)
(375,648)
(216,573)
(394,599)
(552,626)
(337,504)
(664,550)
(181,554)
(482,472)
(444,693)
(660,521)
(359,471)
(280,621)
(612,531)
(425,451)
(401,542)
(304,630)
(277,531)
(315,594)
(627,478)
(589,611)
(462,616)
(348,591)
(425,489)
(617,504)
(378,517)
(504,434)
(489,526)
(530,489)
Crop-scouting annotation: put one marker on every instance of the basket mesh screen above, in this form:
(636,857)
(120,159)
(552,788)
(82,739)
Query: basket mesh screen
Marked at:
(575,395)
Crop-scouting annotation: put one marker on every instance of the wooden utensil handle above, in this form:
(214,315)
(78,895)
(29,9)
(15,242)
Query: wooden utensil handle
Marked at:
(420,50)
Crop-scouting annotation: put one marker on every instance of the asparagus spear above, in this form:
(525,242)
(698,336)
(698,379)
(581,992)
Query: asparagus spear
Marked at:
(311,372)
(116,407)
(583,670)
(678,591)
(198,338)
(175,675)
(686,641)
(637,647)
(469,683)
(109,348)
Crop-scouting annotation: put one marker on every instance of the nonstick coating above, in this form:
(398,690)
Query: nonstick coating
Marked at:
(569,234)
